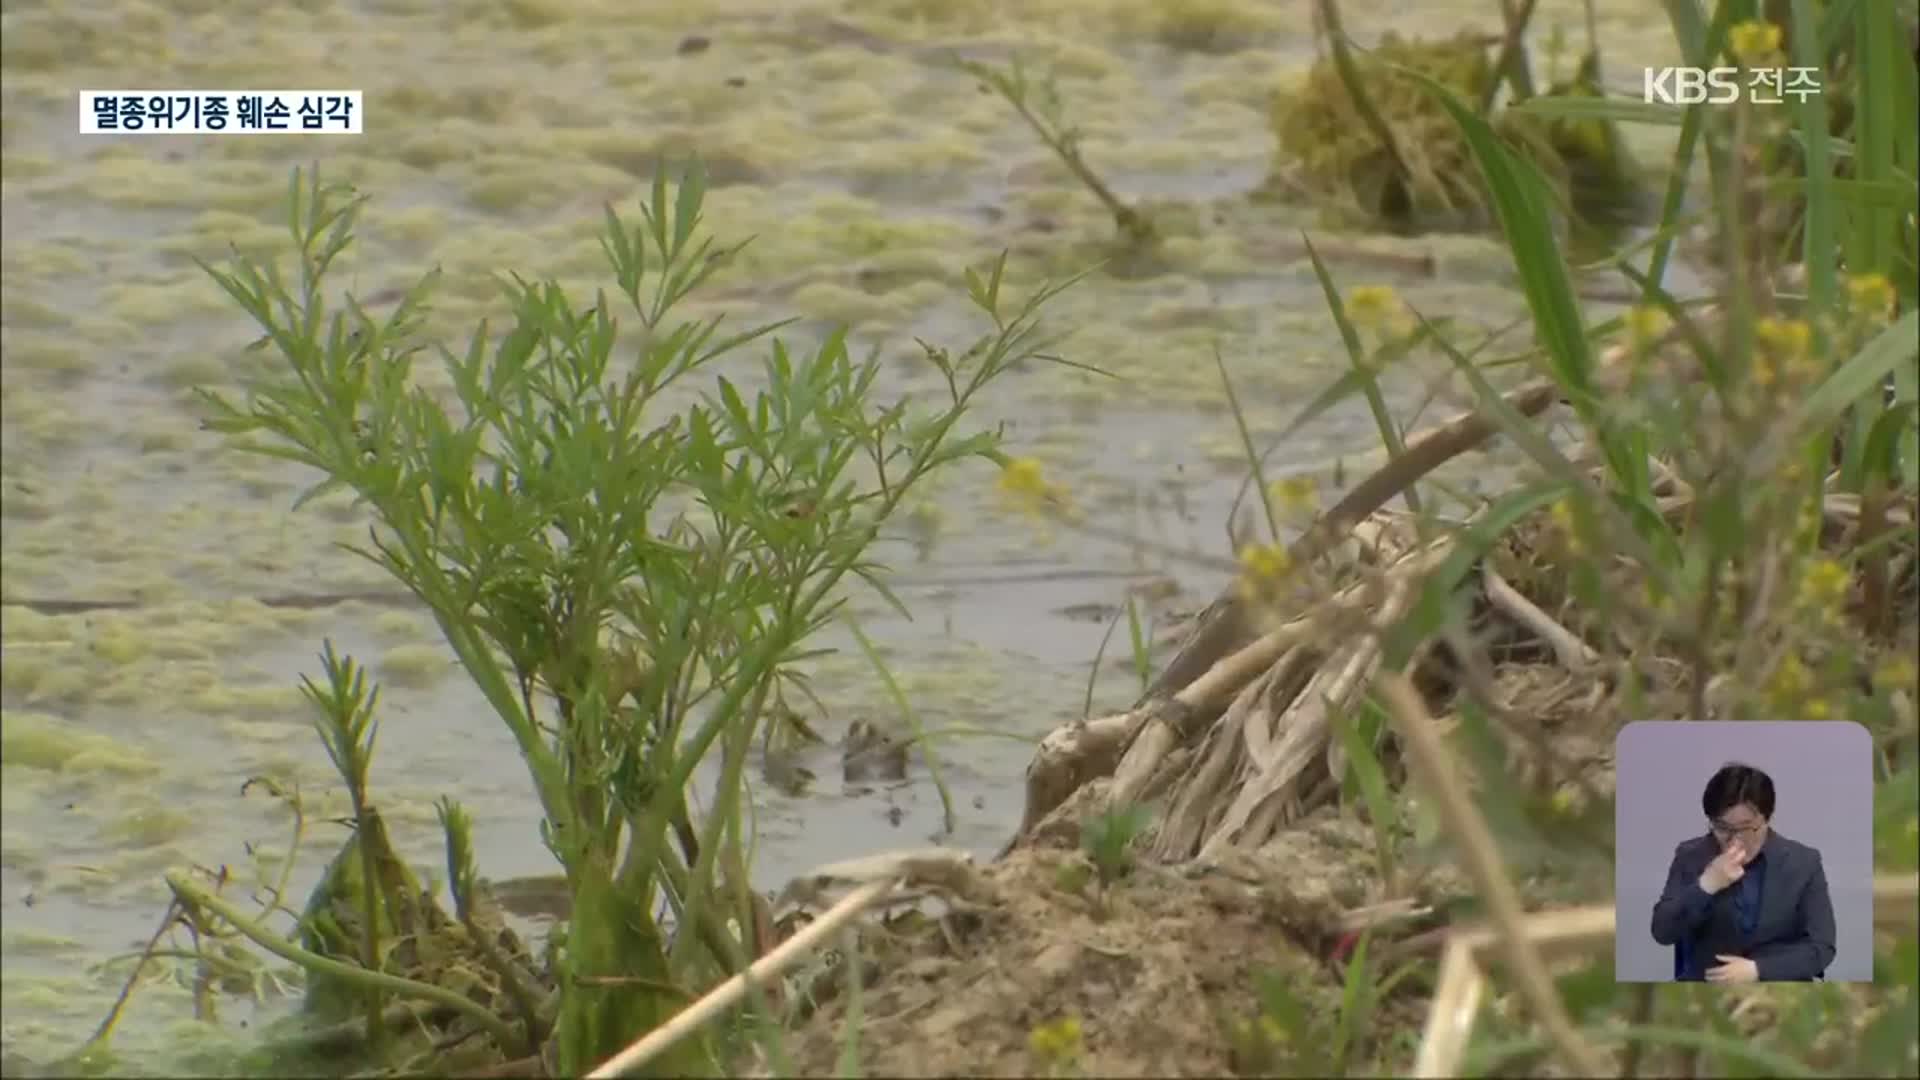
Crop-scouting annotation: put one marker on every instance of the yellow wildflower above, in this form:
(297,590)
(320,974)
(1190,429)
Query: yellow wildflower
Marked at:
(1562,514)
(1871,295)
(1817,709)
(1262,566)
(1026,488)
(1372,306)
(1787,339)
(1058,1041)
(1275,1034)
(1265,562)
(1645,325)
(1022,476)
(1754,42)
(1565,523)
(1790,679)
(1826,583)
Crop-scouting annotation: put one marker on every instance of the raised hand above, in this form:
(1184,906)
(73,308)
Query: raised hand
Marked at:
(1729,867)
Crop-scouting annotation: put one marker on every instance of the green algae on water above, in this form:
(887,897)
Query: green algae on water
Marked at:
(35,740)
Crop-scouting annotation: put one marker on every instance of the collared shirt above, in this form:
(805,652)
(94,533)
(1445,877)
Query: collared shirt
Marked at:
(1746,906)
(1747,893)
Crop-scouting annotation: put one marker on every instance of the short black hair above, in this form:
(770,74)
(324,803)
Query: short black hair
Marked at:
(1735,784)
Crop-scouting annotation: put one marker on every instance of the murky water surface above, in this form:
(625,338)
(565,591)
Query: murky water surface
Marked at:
(869,172)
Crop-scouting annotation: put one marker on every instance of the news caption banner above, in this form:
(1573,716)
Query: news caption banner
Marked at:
(1722,85)
(221,112)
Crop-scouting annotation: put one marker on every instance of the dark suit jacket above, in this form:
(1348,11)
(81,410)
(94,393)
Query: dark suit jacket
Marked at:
(1794,937)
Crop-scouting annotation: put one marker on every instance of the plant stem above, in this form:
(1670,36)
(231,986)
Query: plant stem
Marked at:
(1436,769)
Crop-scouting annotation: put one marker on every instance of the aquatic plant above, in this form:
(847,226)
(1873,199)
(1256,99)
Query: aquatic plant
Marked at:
(625,589)
(1409,161)
(1038,103)
(1360,138)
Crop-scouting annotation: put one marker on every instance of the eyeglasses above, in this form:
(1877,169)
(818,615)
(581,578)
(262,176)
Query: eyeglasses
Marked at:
(1726,831)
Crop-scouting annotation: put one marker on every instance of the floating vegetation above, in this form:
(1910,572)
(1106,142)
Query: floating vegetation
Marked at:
(1392,156)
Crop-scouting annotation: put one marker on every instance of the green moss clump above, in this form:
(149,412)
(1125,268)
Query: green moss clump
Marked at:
(1585,158)
(1330,154)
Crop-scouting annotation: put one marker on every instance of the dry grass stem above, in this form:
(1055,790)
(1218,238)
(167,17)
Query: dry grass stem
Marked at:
(1430,760)
(1574,654)
(729,993)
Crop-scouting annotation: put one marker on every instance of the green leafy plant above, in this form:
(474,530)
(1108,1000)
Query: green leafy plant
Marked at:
(1359,737)
(1107,840)
(625,588)
(348,730)
(1293,1033)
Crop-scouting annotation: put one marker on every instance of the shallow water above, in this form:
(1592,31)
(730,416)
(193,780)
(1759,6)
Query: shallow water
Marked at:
(869,174)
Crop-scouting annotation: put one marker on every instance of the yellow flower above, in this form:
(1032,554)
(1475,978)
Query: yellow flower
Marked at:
(1022,476)
(1058,1041)
(1787,339)
(1790,679)
(1372,306)
(1275,1034)
(1871,295)
(1262,566)
(1565,523)
(1645,325)
(1754,42)
(1817,709)
(1826,583)
(1562,513)
(1023,482)
(1264,561)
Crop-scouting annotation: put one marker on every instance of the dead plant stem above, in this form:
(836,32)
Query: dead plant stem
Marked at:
(727,994)
(105,1029)
(1463,819)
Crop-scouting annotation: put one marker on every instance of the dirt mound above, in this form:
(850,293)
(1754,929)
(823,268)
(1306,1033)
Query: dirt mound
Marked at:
(1158,971)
